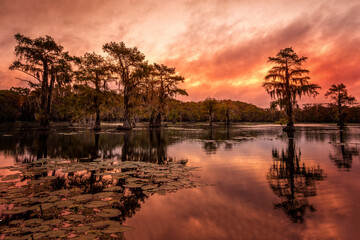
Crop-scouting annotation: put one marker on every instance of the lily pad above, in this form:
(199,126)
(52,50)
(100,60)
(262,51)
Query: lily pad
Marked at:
(12,177)
(96,204)
(109,213)
(63,203)
(62,192)
(82,197)
(113,189)
(104,194)
(52,222)
(16,210)
(74,218)
(80,229)
(56,233)
(32,222)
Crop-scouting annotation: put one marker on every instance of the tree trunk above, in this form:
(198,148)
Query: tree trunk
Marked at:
(97,126)
(127,123)
(227,121)
(289,112)
(341,122)
(44,118)
(158,120)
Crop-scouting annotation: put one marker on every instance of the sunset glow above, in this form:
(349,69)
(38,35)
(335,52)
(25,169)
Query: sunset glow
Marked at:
(220,47)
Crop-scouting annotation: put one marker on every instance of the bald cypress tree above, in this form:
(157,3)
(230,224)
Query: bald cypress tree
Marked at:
(286,81)
(126,62)
(341,97)
(166,82)
(95,73)
(45,62)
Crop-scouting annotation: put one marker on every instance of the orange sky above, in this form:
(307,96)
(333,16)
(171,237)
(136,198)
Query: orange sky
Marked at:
(220,46)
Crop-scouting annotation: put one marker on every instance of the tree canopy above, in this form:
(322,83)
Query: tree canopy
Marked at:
(287,80)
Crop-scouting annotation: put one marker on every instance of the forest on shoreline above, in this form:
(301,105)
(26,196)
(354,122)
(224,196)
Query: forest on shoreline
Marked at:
(20,104)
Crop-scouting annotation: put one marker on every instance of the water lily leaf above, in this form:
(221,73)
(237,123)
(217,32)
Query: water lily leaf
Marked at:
(109,213)
(38,235)
(32,222)
(133,185)
(80,229)
(82,198)
(88,236)
(63,203)
(95,204)
(20,200)
(118,229)
(149,187)
(56,233)
(113,189)
(74,218)
(62,192)
(161,180)
(130,172)
(11,177)
(48,178)
(16,222)
(52,222)
(15,210)
(48,199)
(104,194)
(43,228)
(168,187)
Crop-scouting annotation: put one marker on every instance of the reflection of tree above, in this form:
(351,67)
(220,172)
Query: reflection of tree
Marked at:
(293,182)
(42,145)
(150,146)
(343,154)
(210,146)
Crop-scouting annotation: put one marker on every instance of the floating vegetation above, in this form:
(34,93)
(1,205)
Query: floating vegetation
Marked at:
(56,198)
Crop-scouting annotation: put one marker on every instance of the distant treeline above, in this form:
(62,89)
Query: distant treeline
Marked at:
(21,104)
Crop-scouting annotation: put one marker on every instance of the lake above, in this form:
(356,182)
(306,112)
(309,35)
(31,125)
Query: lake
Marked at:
(180,182)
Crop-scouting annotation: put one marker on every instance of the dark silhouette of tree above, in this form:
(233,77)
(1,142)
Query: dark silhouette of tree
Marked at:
(210,105)
(287,80)
(344,153)
(165,83)
(44,60)
(94,73)
(339,94)
(125,63)
(293,182)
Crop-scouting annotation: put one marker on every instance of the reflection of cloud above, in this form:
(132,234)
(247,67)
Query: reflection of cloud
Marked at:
(214,44)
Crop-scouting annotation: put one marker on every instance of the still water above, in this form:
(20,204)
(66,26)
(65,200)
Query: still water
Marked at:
(181,182)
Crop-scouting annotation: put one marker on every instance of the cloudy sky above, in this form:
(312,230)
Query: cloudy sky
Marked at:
(220,46)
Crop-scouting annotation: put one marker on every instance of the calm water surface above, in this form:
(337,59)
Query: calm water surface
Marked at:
(251,182)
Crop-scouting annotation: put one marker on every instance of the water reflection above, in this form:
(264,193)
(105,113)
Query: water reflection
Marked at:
(150,146)
(343,153)
(293,182)
(85,194)
(210,145)
(121,169)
